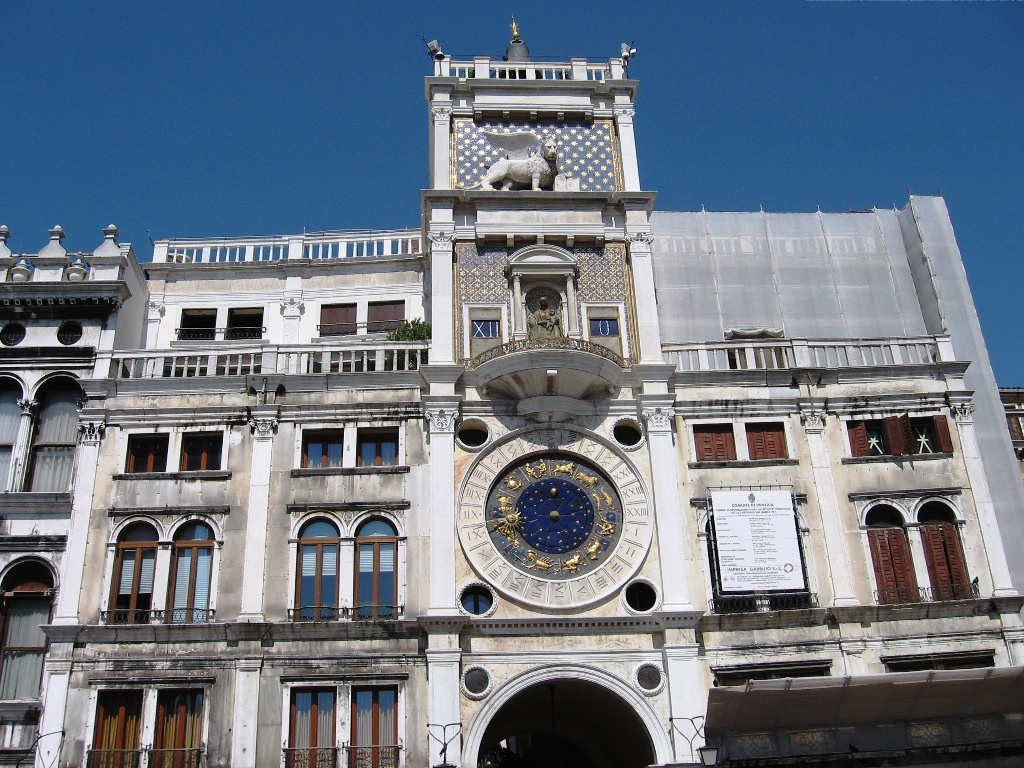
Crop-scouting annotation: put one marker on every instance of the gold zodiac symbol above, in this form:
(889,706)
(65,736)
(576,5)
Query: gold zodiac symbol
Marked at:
(540,563)
(594,549)
(605,528)
(573,563)
(536,474)
(602,495)
(587,480)
(513,482)
(566,469)
(511,520)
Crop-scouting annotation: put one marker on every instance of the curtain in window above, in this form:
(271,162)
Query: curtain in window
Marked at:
(117,730)
(53,453)
(51,468)
(179,724)
(24,646)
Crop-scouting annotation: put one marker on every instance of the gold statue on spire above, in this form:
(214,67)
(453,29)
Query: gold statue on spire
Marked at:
(515,29)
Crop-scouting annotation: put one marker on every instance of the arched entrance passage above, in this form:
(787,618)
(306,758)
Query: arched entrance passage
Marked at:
(569,720)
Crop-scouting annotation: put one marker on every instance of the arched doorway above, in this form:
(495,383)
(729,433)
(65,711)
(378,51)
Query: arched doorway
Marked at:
(568,723)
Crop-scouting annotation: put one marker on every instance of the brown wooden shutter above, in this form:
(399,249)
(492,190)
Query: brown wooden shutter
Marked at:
(725,447)
(384,315)
(337,319)
(944,443)
(756,443)
(858,438)
(776,442)
(944,555)
(894,570)
(899,436)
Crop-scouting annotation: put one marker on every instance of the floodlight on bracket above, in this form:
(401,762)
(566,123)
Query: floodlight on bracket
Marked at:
(434,49)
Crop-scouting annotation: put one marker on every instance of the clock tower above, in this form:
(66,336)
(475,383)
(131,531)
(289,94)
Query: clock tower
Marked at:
(554,475)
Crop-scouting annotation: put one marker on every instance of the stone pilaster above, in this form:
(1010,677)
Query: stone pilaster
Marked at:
(440,415)
(245,714)
(264,427)
(814,420)
(645,305)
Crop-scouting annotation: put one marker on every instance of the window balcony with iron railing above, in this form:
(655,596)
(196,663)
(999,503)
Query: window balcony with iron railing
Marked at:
(175,758)
(762,602)
(383,756)
(311,757)
(114,758)
(365,612)
(146,616)
(231,333)
(935,594)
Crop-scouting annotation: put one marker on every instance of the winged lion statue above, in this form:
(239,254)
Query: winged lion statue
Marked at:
(521,168)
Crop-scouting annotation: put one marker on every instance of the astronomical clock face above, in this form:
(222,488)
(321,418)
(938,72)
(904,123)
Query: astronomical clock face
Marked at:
(554,519)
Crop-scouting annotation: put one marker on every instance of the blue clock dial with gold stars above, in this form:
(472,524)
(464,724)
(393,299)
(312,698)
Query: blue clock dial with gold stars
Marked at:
(554,516)
(557,515)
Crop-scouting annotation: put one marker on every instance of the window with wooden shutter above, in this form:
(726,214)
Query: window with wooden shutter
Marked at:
(384,315)
(337,319)
(894,569)
(118,727)
(714,442)
(942,438)
(766,441)
(944,556)
(858,438)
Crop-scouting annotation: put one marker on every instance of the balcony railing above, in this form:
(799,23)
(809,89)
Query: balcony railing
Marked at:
(245,360)
(484,68)
(235,333)
(373,757)
(909,595)
(310,613)
(771,354)
(762,603)
(369,612)
(562,342)
(146,616)
(114,758)
(175,758)
(318,245)
(311,757)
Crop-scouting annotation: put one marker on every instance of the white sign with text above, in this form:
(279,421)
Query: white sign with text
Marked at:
(757,541)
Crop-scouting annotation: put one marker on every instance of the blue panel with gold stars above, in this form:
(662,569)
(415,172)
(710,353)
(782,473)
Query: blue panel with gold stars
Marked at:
(586,151)
(554,516)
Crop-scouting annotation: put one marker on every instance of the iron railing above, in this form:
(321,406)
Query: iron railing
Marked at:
(763,602)
(373,757)
(371,612)
(317,613)
(175,758)
(934,594)
(237,333)
(147,616)
(311,757)
(113,758)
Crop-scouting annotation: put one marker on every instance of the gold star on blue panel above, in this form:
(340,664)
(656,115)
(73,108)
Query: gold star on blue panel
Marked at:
(586,151)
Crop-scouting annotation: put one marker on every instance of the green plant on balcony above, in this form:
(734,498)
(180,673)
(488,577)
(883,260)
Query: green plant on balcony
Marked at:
(410,330)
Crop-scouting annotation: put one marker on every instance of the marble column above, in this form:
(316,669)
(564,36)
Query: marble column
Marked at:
(440,414)
(833,532)
(963,414)
(263,426)
(442,248)
(443,664)
(646,307)
(668,516)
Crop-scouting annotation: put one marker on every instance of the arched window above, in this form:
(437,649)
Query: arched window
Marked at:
(943,553)
(26,607)
(890,555)
(189,601)
(316,596)
(132,589)
(10,417)
(376,594)
(53,445)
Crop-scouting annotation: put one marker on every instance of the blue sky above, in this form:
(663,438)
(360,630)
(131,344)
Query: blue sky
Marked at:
(192,119)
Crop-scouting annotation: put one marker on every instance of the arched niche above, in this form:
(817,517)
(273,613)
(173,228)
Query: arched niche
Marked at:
(546,271)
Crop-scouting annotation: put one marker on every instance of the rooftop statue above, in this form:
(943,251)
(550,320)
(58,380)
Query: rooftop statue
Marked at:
(521,168)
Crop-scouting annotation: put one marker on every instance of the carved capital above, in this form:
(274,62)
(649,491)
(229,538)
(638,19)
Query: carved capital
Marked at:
(962,413)
(813,421)
(263,428)
(28,406)
(658,419)
(624,113)
(156,309)
(442,240)
(91,432)
(441,114)
(640,242)
(441,420)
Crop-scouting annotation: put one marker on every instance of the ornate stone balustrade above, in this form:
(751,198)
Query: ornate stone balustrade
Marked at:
(803,353)
(485,68)
(523,345)
(382,356)
(318,245)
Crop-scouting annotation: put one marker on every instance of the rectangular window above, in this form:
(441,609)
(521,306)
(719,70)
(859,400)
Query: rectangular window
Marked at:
(311,735)
(384,315)
(603,324)
(900,436)
(179,730)
(337,319)
(374,728)
(714,442)
(377,448)
(23,647)
(118,724)
(740,675)
(322,449)
(146,453)
(201,451)
(925,662)
(197,325)
(766,441)
(484,330)
(244,323)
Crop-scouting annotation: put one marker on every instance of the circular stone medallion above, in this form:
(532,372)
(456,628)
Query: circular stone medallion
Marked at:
(547,526)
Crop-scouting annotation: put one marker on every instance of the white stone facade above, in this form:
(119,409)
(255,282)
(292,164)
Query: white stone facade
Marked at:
(290,540)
